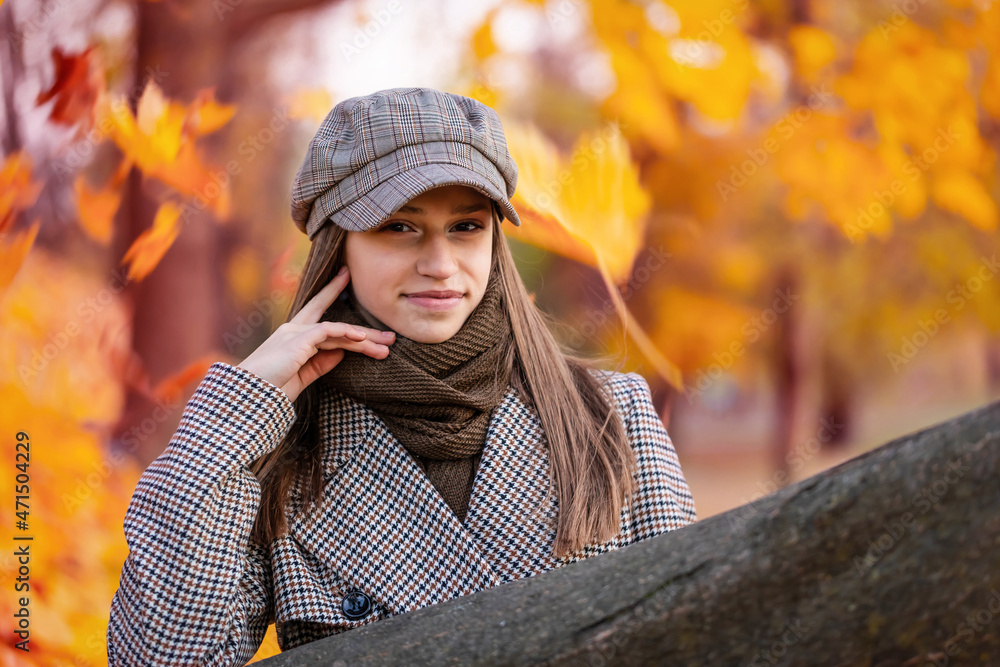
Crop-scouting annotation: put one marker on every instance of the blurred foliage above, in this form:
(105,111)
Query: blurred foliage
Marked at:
(834,158)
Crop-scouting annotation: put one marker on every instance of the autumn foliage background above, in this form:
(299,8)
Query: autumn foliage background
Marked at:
(783,214)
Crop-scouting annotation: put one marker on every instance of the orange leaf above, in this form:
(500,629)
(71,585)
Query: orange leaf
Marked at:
(188,175)
(206,115)
(96,209)
(170,389)
(546,232)
(17,191)
(147,250)
(78,83)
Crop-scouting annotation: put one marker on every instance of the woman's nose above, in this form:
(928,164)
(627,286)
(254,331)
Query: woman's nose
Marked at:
(438,258)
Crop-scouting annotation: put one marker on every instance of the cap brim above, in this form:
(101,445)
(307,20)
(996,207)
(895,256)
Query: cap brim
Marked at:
(387,197)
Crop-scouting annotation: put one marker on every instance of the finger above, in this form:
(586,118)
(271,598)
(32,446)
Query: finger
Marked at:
(357,332)
(368,347)
(323,362)
(313,310)
(379,335)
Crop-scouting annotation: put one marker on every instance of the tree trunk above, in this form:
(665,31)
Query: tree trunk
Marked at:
(788,376)
(887,559)
(184,46)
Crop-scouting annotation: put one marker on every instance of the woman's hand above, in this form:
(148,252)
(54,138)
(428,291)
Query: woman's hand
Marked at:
(303,349)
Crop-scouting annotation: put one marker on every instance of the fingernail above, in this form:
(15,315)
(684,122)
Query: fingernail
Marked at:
(389,333)
(342,271)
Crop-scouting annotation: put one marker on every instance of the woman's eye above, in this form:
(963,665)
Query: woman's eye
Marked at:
(466,226)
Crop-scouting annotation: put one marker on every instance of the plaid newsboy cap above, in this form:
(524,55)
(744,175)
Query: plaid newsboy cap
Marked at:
(374,153)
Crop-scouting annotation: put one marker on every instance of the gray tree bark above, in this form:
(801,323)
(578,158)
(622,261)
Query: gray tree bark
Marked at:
(888,559)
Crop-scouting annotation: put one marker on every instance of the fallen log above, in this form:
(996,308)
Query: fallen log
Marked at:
(891,558)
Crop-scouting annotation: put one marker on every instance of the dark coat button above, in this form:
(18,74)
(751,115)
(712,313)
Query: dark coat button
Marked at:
(356,605)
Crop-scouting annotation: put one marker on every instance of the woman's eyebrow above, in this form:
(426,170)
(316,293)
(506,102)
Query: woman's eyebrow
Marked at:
(459,209)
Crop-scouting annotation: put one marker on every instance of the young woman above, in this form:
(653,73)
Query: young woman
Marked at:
(413,433)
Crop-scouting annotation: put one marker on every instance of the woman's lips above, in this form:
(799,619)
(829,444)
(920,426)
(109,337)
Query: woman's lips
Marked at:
(434,303)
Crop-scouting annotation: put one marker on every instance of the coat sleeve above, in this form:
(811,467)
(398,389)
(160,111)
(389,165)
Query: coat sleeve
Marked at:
(663,501)
(194,590)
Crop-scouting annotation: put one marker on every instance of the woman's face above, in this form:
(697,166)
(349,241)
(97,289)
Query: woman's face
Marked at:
(441,240)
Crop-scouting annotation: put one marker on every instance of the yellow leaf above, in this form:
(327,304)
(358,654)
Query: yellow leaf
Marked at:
(591,204)
(147,250)
(160,141)
(814,49)
(482,39)
(591,208)
(639,102)
(160,122)
(959,192)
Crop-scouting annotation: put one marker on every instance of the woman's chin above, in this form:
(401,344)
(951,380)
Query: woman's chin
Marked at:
(437,332)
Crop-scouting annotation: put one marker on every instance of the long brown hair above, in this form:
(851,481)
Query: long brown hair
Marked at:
(592,464)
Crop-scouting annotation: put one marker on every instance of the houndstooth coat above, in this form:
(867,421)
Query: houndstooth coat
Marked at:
(195,591)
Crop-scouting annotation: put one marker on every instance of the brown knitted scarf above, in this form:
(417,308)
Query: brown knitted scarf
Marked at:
(436,398)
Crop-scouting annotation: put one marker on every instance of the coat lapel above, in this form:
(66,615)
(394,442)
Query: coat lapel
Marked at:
(381,525)
(512,513)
